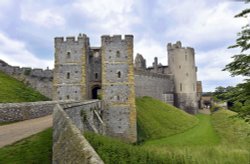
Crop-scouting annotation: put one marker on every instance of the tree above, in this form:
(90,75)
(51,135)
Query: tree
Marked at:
(240,95)
(241,63)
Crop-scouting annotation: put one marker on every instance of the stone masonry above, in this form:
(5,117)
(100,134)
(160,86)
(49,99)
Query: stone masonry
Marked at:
(84,72)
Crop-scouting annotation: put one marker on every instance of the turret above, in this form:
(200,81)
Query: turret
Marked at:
(181,63)
(118,87)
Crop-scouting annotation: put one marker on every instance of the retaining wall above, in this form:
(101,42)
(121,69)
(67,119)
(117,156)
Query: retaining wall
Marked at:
(10,112)
(69,144)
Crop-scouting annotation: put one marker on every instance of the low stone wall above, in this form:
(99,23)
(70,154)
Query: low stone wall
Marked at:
(69,145)
(86,115)
(10,112)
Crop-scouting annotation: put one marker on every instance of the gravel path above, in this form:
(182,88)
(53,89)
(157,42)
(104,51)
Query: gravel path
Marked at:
(205,111)
(16,131)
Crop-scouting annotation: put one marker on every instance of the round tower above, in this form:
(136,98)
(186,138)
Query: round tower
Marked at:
(181,63)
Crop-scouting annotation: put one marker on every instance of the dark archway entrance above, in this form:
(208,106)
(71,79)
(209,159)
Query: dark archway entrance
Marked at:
(96,92)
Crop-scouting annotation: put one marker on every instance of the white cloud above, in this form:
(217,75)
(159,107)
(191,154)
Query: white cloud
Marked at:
(108,16)
(196,23)
(210,65)
(149,49)
(15,53)
(47,18)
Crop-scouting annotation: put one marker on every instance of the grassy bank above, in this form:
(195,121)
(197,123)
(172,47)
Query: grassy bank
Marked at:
(12,90)
(36,149)
(157,119)
(201,134)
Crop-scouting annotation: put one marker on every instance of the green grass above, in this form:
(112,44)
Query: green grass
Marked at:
(201,134)
(36,149)
(113,151)
(231,129)
(157,119)
(220,138)
(12,90)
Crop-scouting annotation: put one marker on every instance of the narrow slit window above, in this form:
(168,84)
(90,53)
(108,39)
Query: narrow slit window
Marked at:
(118,97)
(118,54)
(68,55)
(179,66)
(180,86)
(186,57)
(119,74)
(96,75)
(68,75)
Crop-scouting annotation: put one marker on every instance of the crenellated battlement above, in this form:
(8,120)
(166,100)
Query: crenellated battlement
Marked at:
(178,45)
(71,39)
(116,38)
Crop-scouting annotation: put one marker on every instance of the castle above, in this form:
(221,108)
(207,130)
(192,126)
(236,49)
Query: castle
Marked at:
(83,72)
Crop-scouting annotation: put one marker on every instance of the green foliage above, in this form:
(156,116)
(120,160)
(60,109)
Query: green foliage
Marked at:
(113,151)
(157,119)
(36,149)
(13,90)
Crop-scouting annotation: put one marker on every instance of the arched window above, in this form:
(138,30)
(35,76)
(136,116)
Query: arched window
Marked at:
(119,74)
(96,75)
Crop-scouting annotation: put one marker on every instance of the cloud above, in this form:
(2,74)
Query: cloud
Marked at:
(206,24)
(108,16)
(150,48)
(48,17)
(210,65)
(15,53)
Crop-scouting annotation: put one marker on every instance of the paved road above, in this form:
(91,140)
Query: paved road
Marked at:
(16,131)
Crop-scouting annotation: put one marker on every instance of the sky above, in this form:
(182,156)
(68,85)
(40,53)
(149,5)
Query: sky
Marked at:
(28,28)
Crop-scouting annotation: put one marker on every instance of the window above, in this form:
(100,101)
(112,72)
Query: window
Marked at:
(118,97)
(186,57)
(186,74)
(68,97)
(119,74)
(96,75)
(68,55)
(118,54)
(179,66)
(180,86)
(68,75)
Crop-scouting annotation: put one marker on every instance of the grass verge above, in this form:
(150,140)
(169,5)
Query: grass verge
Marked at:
(36,149)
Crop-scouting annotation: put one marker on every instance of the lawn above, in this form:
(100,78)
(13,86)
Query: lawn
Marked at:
(13,90)
(36,149)
(201,134)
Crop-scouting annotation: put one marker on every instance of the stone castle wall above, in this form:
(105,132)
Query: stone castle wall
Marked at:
(38,79)
(154,85)
(86,115)
(69,144)
(11,112)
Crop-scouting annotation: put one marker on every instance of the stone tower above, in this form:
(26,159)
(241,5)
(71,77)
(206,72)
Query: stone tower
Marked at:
(181,63)
(70,76)
(118,87)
